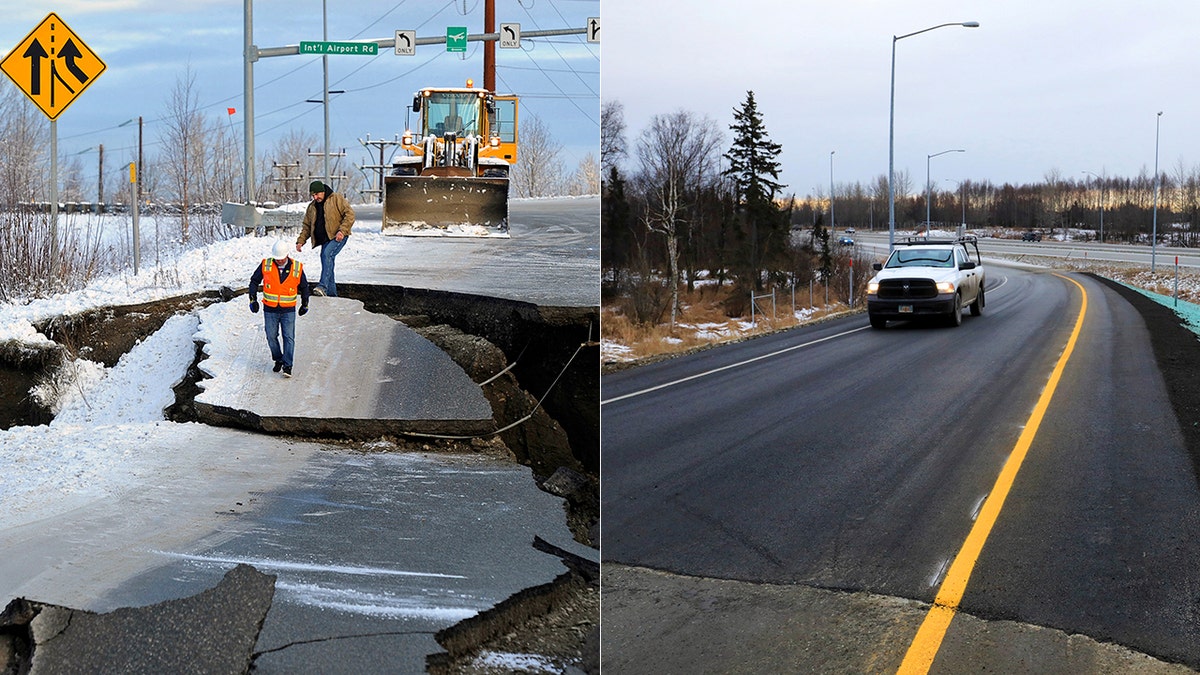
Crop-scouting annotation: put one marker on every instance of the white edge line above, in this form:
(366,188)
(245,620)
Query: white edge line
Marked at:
(732,365)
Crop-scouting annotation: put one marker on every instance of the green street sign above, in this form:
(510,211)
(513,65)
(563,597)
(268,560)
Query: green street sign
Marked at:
(362,48)
(456,39)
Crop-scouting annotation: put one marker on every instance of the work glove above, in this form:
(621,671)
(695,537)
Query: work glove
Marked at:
(254,306)
(303,310)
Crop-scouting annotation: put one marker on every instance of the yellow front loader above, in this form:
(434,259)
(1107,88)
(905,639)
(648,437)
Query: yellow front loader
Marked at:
(454,180)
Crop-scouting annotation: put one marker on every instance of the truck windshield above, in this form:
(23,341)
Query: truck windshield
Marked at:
(456,112)
(921,258)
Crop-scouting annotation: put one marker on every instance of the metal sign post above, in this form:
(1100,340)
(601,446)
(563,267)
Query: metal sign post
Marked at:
(54,264)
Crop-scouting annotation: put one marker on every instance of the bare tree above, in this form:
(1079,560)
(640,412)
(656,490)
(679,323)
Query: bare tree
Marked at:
(223,162)
(290,168)
(182,139)
(613,147)
(539,170)
(672,151)
(24,162)
(586,179)
(71,179)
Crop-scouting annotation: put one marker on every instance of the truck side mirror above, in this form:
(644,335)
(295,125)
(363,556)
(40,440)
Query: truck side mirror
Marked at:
(877,267)
(416,104)
(967,266)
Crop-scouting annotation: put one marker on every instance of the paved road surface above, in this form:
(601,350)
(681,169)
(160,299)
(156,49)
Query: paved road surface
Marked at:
(857,460)
(552,257)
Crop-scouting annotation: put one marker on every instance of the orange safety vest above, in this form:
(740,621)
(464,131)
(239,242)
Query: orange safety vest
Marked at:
(280,292)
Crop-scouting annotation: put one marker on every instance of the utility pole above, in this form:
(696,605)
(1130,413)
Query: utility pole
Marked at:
(327,155)
(141,168)
(381,167)
(287,180)
(489,46)
(100,182)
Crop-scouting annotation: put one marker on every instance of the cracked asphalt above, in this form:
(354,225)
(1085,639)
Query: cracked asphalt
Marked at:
(374,553)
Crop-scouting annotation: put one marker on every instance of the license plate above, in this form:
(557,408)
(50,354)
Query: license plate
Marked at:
(906,309)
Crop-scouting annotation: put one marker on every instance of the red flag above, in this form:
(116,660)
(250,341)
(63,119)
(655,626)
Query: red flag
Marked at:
(231,110)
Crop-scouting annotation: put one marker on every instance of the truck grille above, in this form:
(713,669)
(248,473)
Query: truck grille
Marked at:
(907,289)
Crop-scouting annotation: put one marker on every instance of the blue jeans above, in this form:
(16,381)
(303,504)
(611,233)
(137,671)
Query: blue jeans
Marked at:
(274,322)
(329,251)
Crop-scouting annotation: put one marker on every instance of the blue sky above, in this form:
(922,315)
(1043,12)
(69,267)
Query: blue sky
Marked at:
(149,45)
(1072,85)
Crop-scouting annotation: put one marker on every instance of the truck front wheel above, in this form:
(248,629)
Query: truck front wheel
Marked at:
(956,315)
(977,306)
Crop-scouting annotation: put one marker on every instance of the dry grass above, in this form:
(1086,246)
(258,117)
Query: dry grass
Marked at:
(703,320)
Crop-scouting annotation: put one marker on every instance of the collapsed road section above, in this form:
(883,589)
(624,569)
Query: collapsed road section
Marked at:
(109,334)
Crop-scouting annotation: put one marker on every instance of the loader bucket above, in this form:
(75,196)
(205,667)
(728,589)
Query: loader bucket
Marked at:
(446,206)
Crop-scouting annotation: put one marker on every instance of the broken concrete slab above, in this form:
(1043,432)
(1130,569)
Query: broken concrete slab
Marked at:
(356,374)
(214,631)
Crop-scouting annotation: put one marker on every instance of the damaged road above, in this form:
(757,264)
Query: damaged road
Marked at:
(379,544)
(212,632)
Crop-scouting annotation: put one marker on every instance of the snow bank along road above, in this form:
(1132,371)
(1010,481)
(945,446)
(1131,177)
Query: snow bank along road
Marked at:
(837,457)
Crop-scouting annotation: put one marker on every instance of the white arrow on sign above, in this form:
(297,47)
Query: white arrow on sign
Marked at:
(510,36)
(406,43)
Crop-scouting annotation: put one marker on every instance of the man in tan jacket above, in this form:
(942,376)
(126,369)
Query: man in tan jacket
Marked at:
(328,221)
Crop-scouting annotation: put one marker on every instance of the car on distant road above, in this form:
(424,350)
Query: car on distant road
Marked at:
(850,230)
(926,277)
(1031,236)
(846,241)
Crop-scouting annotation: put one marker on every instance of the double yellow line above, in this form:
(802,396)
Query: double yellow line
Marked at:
(928,641)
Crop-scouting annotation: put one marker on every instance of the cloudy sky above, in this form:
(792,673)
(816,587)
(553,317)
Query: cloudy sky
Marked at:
(1068,85)
(149,46)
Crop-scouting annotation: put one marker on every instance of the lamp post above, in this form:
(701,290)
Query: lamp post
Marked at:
(1154,231)
(1101,203)
(831,223)
(138,176)
(892,128)
(929,186)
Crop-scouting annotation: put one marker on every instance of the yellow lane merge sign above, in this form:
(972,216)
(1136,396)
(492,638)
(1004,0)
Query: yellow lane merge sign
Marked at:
(52,66)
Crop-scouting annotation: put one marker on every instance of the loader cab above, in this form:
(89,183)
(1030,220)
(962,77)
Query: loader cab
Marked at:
(462,116)
(502,121)
(458,112)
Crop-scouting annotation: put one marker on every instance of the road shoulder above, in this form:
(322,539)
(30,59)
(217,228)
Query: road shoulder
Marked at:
(656,622)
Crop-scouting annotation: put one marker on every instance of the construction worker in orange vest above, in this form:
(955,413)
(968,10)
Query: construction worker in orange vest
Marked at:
(283,287)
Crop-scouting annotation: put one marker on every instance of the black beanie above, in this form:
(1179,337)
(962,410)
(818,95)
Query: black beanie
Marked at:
(315,187)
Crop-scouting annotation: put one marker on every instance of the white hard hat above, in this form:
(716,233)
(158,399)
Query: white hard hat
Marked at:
(281,249)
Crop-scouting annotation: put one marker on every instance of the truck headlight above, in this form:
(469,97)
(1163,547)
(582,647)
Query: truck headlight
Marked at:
(945,287)
(873,288)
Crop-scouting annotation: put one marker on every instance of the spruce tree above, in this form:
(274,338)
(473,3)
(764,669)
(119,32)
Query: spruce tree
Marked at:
(754,168)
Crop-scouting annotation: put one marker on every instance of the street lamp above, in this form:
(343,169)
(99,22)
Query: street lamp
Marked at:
(1154,232)
(892,128)
(140,167)
(929,186)
(1101,204)
(831,223)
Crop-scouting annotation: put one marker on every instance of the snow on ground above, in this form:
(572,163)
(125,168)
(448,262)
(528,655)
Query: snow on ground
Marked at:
(612,351)
(109,433)
(517,663)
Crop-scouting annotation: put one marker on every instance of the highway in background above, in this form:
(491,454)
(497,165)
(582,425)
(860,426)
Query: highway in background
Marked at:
(1164,257)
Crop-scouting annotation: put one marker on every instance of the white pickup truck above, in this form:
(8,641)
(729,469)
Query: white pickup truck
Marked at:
(927,278)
